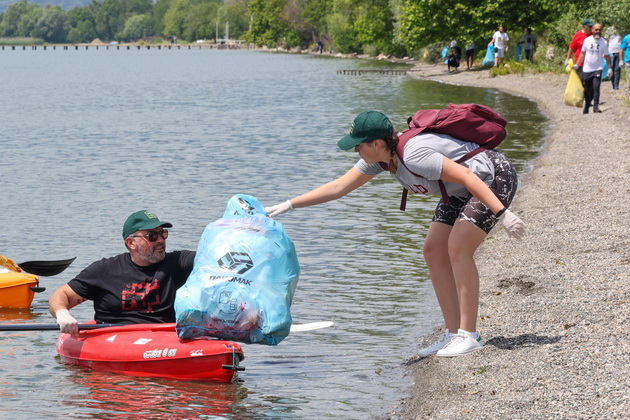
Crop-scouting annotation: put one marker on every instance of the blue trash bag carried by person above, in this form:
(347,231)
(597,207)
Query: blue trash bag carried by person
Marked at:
(488,60)
(243,280)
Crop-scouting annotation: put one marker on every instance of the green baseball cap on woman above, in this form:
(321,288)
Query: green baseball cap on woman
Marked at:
(142,220)
(367,126)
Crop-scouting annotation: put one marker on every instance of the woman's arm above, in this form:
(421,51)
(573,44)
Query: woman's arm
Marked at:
(333,190)
(457,174)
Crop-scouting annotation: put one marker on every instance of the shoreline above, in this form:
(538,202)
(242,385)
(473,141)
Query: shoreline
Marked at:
(555,307)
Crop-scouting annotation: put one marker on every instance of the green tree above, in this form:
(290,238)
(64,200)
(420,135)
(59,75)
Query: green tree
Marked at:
(111,15)
(28,22)
(234,12)
(341,27)
(81,24)
(315,12)
(374,27)
(137,27)
(110,19)
(159,11)
(20,19)
(267,25)
(201,21)
(53,25)
(175,18)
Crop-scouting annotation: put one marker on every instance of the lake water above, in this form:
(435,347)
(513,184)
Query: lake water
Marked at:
(91,136)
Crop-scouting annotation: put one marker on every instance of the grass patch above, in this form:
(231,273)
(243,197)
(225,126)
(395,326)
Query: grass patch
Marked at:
(21,41)
(509,67)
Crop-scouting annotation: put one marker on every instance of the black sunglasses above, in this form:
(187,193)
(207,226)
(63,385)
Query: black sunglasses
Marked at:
(153,235)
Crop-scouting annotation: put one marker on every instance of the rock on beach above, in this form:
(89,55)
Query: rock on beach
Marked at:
(554,307)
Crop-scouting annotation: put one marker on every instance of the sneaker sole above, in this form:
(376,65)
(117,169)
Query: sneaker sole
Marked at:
(459,354)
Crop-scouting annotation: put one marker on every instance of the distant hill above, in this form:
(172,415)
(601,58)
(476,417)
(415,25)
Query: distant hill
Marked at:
(65,4)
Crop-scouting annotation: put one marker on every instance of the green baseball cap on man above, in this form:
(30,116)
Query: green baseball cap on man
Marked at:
(142,220)
(367,126)
(588,22)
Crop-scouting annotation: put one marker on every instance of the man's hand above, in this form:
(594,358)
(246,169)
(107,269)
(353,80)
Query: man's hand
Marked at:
(67,323)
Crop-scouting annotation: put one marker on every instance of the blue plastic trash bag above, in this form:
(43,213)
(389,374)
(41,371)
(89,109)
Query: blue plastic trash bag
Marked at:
(605,70)
(444,52)
(243,279)
(488,60)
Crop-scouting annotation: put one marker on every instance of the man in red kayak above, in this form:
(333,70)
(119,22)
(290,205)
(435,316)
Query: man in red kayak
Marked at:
(131,288)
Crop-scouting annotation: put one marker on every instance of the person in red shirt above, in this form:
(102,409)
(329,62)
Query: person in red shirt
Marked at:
(575,46)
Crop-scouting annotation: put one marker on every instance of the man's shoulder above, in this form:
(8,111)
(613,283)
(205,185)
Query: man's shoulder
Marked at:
(112,260)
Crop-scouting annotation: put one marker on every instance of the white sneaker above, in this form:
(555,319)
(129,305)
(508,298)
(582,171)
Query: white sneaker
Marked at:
(442,341)
(462,344)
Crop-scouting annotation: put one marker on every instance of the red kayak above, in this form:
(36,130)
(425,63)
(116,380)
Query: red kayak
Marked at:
(152,350)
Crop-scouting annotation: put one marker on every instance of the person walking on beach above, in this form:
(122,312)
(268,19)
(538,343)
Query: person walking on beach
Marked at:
(594,51)
(470,55)
(479,190)
(624,58)
(575,46)
(500,40)
(614,46)
(529,43)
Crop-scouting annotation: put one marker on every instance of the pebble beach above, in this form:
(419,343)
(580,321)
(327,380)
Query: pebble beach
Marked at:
(554,307)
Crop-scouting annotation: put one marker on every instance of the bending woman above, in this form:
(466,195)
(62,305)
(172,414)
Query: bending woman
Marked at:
(479,190)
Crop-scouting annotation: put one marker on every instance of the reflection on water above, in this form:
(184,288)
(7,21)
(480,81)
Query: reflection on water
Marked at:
(114,396)
(180,132)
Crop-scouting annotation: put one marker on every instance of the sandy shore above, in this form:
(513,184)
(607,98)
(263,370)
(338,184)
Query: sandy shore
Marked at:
(555,307)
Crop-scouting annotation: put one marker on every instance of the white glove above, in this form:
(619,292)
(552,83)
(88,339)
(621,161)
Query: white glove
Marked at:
(566,62)
(514,226)
(279,208)
(609,74)
(67,323)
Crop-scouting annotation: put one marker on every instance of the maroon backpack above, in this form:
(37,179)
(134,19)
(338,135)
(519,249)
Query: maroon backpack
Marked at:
(469,122)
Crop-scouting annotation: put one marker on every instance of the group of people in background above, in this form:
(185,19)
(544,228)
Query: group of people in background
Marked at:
(499,41)
(589,50)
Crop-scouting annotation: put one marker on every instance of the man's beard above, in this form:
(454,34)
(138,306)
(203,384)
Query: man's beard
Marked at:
(597,36)
(153,256)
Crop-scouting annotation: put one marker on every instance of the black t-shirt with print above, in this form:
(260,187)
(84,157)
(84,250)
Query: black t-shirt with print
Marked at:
(124,293)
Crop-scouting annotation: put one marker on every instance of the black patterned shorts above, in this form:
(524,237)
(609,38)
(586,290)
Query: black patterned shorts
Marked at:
(474,211)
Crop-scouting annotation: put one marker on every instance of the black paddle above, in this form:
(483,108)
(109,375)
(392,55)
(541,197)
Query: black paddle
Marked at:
(46,268)
(54,327)
(50,327)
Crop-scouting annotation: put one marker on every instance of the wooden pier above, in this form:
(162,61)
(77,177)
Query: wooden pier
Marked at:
(384,71)
(126,47)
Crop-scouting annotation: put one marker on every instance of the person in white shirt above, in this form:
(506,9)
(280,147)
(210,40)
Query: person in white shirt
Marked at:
(594,51)
(614,46)
(500,40)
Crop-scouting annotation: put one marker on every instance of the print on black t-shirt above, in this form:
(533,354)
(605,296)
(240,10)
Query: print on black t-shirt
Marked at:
(141,296)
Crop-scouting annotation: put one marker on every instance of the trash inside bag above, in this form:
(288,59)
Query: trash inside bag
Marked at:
(574,92)
(243,279)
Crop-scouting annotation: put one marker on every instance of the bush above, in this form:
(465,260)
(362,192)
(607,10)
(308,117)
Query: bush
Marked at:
(509,67)
(432,53)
